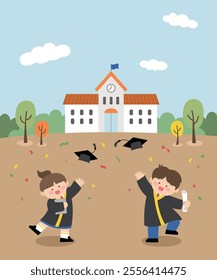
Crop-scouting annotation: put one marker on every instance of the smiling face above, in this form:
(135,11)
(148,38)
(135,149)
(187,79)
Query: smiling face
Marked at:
(162,187)
(56,191)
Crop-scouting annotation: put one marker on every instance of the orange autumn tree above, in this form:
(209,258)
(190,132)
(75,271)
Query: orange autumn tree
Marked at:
(41,130)
(177,130)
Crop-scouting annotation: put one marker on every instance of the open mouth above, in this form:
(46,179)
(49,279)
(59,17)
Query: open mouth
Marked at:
(160,189)
(57,192)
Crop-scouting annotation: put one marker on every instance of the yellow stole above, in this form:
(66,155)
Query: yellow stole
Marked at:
(156,198)
(60,216)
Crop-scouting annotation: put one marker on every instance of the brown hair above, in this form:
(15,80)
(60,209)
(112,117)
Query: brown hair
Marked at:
(49,178)
(172,176)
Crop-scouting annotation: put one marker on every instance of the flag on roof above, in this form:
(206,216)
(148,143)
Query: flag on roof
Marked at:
(114,66)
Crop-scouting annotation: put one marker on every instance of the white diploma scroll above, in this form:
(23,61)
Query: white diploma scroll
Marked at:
(184,198)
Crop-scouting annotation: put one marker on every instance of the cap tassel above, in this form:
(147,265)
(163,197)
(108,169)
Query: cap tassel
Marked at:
(94,146)
(116,143)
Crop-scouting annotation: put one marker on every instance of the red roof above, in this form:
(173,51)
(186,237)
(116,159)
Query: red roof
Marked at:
(81,99)
(128,99)
(140,99)
(111,74)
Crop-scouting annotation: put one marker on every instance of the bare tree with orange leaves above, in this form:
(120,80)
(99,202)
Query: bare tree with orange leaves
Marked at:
(41,130)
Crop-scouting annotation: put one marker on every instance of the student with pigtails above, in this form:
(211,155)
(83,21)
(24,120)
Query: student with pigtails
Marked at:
(56,188)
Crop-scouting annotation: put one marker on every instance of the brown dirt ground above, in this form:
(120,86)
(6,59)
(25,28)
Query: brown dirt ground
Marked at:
(108,219)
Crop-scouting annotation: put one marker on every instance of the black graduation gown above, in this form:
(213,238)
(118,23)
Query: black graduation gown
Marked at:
(59,220)
(158,210)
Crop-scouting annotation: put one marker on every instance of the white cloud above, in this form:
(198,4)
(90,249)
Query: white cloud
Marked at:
(180,20)
(154,65)
(43,54)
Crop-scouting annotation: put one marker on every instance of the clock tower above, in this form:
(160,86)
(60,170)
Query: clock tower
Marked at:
(111,100)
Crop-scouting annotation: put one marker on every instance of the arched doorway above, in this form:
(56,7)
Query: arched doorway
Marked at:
(111,120)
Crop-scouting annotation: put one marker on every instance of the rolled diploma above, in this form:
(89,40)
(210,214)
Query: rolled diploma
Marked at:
(184,198)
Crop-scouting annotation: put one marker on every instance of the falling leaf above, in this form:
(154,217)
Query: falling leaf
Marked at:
(200,198)
(46,155)
(150,159)
(103,144)
(16,166)
(117,158)
(202,156)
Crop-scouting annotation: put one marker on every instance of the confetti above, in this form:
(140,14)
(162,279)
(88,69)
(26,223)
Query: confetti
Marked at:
(103,144)
(11,175)
(117,158)
(66,160)
(103,166)
(198,166)
(190,160)
(26,179)
(16,165)
(21,199)
(93,185)
(202,156)
(46,155)
(64,143)
(150,159)
(194,186)
(129,190)
(31,152)
(89,198)
(165,148)
(200,198)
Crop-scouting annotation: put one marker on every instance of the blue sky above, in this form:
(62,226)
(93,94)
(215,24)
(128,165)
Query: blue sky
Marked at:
(100,33)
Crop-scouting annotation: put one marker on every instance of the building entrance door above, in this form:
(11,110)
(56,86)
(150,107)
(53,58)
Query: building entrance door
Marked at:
(111,120)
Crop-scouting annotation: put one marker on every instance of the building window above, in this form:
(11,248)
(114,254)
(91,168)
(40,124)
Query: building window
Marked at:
(90,121)
(131,121)
(104,100)
(81,121)
(72,121)
(131,112)
(111,100)
(140,121)
(117,100)
(81,112)
(91,112)
(140,112)
(149,121)
(149,112)
(72,112)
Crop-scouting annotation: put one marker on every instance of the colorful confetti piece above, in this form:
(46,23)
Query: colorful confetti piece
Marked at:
(21,199)
(93,185)
(103,144)
(103,166)
(64,144)
(26,179)
(165,148)
(200,198)
(31,152)
(89,198)
(150,159)
(16,166)
(46,155)
(11,175)
(117,158)
(198,166)
(129,190)
(202,156)
(190,160)
(194,186)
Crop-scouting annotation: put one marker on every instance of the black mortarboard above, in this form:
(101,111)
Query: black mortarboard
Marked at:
(134,143)
(86,155)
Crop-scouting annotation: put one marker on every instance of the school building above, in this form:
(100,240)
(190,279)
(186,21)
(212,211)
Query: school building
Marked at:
(111,109)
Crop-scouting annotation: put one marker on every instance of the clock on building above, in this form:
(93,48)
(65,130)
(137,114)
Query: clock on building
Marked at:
(111,88)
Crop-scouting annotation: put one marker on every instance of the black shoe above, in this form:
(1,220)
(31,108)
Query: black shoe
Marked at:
(69,239)
(33,228)
(152,240)
(174,232)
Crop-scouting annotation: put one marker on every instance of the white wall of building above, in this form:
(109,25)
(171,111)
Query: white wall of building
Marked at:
(140,118)
(81,118)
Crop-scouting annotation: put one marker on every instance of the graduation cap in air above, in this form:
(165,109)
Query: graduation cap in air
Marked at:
(86,155)
(134,143)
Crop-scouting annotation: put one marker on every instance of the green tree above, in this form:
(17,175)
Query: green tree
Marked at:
(25,117)
(164,122)
(209,124)
(7,125)
(193,116)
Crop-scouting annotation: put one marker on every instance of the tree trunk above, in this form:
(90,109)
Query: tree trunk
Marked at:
(177,138)
(41,141)
(25,140)
(193,133)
